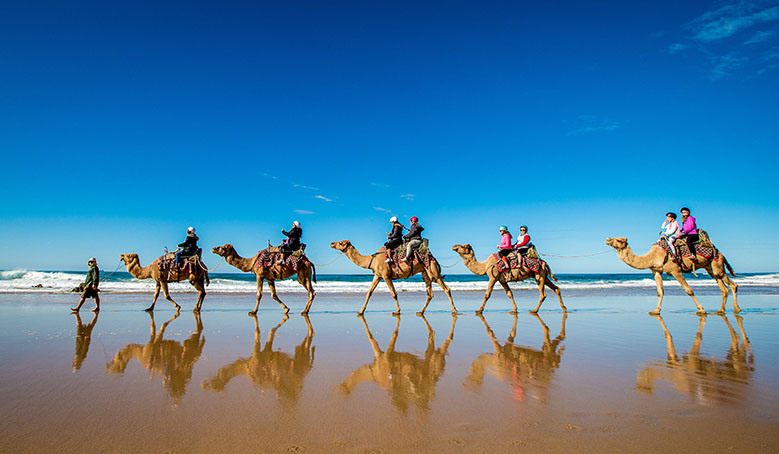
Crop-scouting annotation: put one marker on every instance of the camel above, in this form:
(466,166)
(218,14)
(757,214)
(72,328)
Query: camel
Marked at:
(269,274)
(519,366)
(658,261)
(269,368)
(489,268)
(704,379)
(152,271)
(405,376)
(171,359)
(388,272)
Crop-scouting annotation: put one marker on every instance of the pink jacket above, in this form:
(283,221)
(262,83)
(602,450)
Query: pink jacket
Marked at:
(505,241)
(689,227)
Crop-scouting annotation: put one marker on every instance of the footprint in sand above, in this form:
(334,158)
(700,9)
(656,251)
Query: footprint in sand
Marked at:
(295,448)
(519,443)
(574,427)
(457,442)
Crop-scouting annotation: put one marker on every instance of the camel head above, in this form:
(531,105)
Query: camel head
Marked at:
(224,251)
(463,249)
(617,243)
(340,245)
(128,258)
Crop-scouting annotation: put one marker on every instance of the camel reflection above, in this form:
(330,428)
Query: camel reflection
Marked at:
(408,378)
(525,369)
(704,379)
(267,368)
(83,339)
(172,359)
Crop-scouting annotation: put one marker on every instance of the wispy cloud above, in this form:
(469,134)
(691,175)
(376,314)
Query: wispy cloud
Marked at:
(303,212)
(379,185)
(321,197)
(589,124)
(408,196)
(302,186)
(760,37)
(382,209)
(272,177)
(731,19)
(726,65)
(675,48)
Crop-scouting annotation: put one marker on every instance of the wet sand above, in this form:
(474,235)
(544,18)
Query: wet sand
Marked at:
(605,378)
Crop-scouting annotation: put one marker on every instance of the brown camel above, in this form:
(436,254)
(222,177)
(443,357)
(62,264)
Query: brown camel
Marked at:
(405,376)
(271,369)
(704,378)
(523,368)
(269,274)
(389,271)
(489,267)
(658,261)
(198,279)
(173,360)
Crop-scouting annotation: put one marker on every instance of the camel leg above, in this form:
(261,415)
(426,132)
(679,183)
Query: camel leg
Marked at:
(557,292)
(428,291)
(154,300)
(435,275)
(725,291)
(670,350)
(305,281)
(510,294)
(740,321)
(733,288)
(259,296)
(487,295)
(541,293)
(374,283)
(394,294)
(275,296)
(680,277)
(166,292)
(201,295)
(659,282)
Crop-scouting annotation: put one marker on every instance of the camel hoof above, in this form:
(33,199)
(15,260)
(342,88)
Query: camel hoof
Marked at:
(304,313)
(736,310)
(252,313)
(701,312)
(195,311)
(565,309)
(720,312)
(149,309)
(454,312)
(478,312)
(421,313)
(360,313)
(396,313)
(654,313)
(529,312)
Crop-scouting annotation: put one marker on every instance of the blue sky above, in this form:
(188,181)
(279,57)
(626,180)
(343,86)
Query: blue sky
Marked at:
(121,125)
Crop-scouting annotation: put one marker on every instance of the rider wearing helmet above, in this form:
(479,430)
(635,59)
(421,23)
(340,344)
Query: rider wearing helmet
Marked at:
(189,247)
(505,242)
(523,241)
(292,243)
(413,238)
(689,231)
(394,238)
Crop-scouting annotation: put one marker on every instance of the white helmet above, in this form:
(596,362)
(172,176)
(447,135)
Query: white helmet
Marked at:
(393,219)
(190,229)
(296,224)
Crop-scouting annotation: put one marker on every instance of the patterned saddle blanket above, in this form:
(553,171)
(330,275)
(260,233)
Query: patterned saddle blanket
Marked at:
(168,262)
(421,255)
(294,261)
(516,260)
(682,250)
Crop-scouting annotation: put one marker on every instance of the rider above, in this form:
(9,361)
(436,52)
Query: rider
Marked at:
(671,230)
(189,247)
(394,238)
(504,248)
(413,238)
(523,241)
(689,230)
(292,244)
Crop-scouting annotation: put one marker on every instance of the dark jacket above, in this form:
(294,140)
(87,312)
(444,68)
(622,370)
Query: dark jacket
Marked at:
(414,232)
(93,277)
(189,246)
(294,235)
(396,234)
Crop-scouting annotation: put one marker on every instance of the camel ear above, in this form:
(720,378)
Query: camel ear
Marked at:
(467,246)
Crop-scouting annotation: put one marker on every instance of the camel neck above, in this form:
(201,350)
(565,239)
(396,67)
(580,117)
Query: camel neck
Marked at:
(476,267)
(639,262)
(243,264)
(363,261)
(137,272)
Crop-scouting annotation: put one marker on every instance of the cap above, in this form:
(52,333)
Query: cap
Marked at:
(414,219)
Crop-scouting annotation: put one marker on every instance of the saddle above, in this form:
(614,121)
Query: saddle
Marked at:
(272,256)
(516,260)
(421,254)
(168,262)
(683,250)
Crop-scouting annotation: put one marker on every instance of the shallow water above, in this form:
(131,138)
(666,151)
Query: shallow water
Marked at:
(606,377)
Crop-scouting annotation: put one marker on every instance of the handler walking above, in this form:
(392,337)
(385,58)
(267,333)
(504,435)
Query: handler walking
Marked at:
(90,286)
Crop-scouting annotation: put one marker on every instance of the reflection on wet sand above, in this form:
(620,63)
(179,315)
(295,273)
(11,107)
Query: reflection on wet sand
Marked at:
(171,359)
(83,339)
(408,378)
(271,369)
(704,379)
(525,369)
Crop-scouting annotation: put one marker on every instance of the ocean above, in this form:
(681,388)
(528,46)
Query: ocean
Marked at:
(28,281)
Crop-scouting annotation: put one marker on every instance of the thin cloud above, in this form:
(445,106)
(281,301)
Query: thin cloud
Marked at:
(760,37)
(731,19)
(303,212)
(407,196)
(590,125)
(302,186)
(272,177)
(379,185)
(675,48)
(382,209)
(726,65)
(321,197)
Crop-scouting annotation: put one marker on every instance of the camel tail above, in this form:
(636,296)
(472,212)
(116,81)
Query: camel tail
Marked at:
(727,265)
(313,272)
(551,274)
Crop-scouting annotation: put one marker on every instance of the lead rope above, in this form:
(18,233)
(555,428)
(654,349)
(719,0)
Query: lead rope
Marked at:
(117,269)
(331,261)
(575,256)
